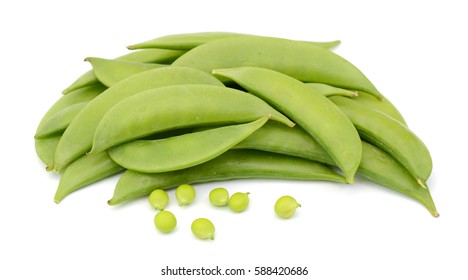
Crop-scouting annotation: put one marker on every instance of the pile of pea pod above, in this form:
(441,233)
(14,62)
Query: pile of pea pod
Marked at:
(198,107)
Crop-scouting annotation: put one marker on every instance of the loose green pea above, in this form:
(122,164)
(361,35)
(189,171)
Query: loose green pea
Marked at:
(165,221)
(219,197)
(239,201)
(158,199)
(203,228)
(185,194)
(285,206)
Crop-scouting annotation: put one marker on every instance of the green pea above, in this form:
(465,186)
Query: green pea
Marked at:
(285,206)
(203,228)
(185,194)
(165,221)
(239,201)
(158,199)
(219,197)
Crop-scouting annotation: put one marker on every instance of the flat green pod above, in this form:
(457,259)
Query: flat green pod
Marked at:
(178,106)
(390,135)
(314,112)
(80,95)
(233,164)
(383,105)
(301,60)
(111,71)
(146,56)
(45,149)
(85,171)
(182,151)
(188,41)
(78,137)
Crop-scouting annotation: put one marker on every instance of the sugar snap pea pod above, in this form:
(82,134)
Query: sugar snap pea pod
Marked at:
(390,135)
(328,90)
(376,165)
(60,121)
(111,71)
(146,56)
(85,171)
(303,61)
(380,167)
(80,95)
(233,164)
(383,105)
(277,138)
(314,112)
(178,106)
(78,137)
(187,41)
(183,151)
(45,149)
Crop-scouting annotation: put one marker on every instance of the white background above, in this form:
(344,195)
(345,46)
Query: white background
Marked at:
(415,52)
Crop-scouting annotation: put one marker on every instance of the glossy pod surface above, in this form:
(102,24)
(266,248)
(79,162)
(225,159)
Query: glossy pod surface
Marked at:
(303,61)
(239,164)
(181,151)
(178,106)
(78,137)
(315,113)
(146,56)
(390,135)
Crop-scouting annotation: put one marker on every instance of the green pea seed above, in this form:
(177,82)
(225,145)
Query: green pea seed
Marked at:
(185,194)
(285,206)
(165,221)
(219,197)
(203,228)
(158,199)
(239,201)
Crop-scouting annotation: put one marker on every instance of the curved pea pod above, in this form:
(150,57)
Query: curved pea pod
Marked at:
(380,167)
(111,71)
(78,137)
(303,61)
(45,149)
(178,106)
(183,151)
(187,41)
(84,94)
(383,105)
(145,56)
(60,121)
(376,165)
(328,90)
(314,112)
(233,164)
(390,135)
(85,171)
